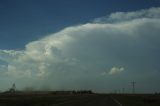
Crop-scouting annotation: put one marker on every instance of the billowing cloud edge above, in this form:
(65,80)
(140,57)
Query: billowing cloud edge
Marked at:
(85,50)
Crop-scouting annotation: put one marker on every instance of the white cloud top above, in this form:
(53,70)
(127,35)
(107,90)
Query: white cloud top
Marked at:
(128,16)
(75,56)
(115,70)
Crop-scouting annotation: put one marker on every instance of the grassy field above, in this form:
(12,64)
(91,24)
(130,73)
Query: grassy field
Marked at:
(39,99)
(138,99)
(50,99)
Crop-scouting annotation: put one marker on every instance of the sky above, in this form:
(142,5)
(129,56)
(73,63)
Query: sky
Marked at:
(102,45)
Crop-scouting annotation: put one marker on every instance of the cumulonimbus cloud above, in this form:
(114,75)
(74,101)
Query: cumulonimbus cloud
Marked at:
(128,16)
(81,53)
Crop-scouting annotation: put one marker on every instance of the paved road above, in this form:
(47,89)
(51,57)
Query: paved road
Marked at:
(94,100)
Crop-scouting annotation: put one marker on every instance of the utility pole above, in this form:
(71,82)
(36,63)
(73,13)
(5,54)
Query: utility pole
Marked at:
(115,91)
(123,90)
(133,86)
(14,86)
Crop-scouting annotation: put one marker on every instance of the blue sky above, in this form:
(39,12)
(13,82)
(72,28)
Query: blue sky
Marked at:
(101,45)
(22,21)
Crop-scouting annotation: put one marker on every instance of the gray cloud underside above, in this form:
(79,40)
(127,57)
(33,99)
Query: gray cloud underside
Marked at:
(77,56)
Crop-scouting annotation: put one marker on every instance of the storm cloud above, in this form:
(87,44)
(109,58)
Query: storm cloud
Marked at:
(102,55)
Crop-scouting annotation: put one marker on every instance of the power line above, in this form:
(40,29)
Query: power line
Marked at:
(133,86)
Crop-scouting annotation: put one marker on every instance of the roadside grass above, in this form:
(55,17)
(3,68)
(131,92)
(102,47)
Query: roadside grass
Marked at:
(37,100)
(51,99)
(138,99)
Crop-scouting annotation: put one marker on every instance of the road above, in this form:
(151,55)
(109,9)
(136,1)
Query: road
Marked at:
(94,100)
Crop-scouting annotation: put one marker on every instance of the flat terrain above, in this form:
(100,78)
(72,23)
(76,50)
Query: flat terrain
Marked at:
(138,99)
(56,100)
(79,100)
